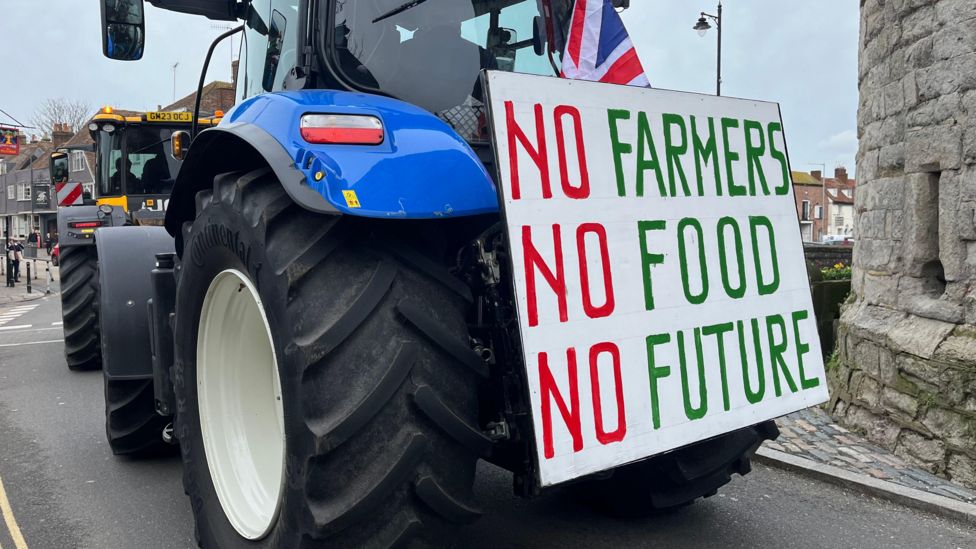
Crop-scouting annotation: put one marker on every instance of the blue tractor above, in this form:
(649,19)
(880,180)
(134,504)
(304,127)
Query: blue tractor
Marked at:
(328,325)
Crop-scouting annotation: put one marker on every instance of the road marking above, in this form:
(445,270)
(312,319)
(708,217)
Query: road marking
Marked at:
(21,327)
(59,323)
(56,328)
(31,343)
(12,314)
(8,517)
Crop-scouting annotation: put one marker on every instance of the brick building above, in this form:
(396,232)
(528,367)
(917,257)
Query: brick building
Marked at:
(27,202)
(824,206)
(808,191)
(840,202)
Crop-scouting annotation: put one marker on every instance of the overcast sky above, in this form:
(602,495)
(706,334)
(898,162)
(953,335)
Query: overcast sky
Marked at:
(799,53)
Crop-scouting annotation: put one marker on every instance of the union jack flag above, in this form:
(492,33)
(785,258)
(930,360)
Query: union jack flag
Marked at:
(598,47)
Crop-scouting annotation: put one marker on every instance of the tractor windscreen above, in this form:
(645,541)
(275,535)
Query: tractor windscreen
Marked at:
(134,161)
(431,52)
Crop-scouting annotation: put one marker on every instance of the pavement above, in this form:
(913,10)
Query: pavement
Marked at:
(811,434)
(39,282)
(65,489)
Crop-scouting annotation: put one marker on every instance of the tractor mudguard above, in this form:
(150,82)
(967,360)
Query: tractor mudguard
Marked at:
(422,170)
(126,257)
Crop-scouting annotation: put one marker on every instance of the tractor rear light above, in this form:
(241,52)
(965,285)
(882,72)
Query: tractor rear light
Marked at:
(342,129)
(84,224)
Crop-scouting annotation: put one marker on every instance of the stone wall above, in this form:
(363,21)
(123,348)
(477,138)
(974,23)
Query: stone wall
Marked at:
(905,372)
(827,256)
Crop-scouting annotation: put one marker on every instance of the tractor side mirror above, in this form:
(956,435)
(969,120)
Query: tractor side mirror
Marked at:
(179,143)
(59,168)
(123,29)
(539,35)
(502,42)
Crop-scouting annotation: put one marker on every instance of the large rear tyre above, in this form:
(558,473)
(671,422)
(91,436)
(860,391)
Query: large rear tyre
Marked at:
(132,426)
(667,482)
(326,392)
(79,307)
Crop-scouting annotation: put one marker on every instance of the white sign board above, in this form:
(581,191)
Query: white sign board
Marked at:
(661,288)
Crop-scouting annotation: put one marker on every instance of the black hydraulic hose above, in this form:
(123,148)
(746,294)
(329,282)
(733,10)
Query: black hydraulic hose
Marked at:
(203,76)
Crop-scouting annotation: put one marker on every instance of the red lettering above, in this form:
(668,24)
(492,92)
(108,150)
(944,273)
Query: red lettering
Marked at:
(583,191)
(549,392)
(607,308)
(537,153)
(621,430)
(556,281)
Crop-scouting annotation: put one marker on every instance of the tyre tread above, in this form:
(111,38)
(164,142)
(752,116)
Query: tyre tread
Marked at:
(79,298)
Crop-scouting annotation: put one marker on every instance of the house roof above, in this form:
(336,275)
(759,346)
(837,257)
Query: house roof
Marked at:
(833,183)
(217,96)
(842,198)
(803,178)
(82,140)
(40,150)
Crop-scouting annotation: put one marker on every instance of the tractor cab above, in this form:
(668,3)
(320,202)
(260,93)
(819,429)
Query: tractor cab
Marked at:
(429,53)
(134,167)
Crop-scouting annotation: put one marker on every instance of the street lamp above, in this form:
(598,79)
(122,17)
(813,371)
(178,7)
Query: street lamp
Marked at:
(702,27)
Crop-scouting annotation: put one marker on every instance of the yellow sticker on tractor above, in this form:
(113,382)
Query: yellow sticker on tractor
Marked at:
(351,199)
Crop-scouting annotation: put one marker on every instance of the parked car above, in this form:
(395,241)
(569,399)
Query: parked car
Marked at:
(56,255)
(838,240)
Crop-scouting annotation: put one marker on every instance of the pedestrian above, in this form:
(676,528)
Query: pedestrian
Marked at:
(48,243)
(18,257)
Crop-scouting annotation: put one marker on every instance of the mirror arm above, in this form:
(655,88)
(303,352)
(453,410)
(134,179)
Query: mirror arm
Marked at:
(203,76)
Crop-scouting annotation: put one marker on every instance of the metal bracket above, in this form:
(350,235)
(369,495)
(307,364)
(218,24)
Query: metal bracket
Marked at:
(498,430)
(491,272)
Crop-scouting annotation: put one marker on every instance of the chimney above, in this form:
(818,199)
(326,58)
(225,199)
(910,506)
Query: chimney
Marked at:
(60,134)
(233,72)
(817,175)
(840,174)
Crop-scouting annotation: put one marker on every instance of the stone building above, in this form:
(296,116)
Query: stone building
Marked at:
(905,372)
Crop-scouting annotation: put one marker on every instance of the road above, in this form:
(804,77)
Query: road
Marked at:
(65,489)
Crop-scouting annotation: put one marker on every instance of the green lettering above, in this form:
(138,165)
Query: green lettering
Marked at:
(719,331)
(619,149)
(655,373)
(730,157)
(784,186)
(645,143)
(673,152)
(754,154)
(754,223)
(648,259)
(753,396)
(776,351)
(801,349)
(691,412)
(683,258)
(734,293)
(704,151)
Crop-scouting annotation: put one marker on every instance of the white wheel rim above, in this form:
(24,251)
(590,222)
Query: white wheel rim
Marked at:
(239,396)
